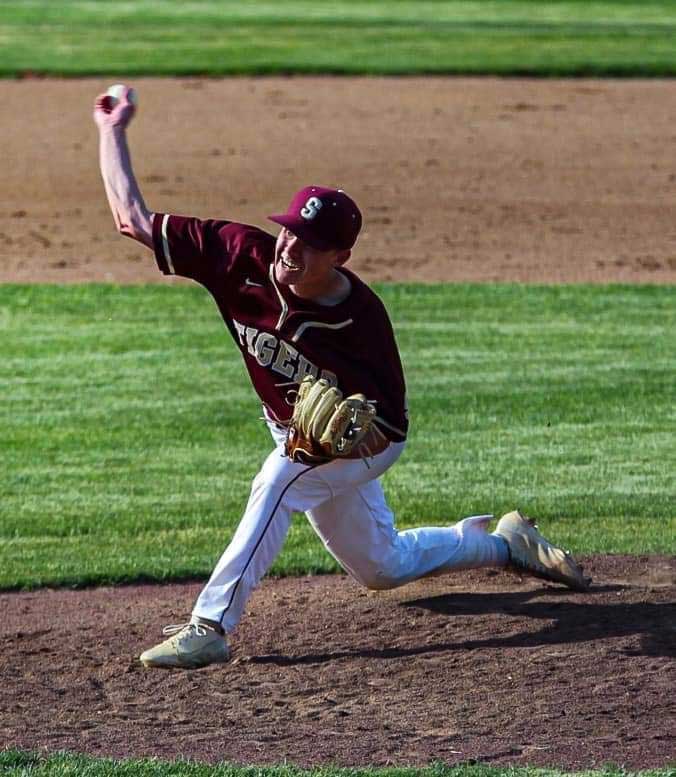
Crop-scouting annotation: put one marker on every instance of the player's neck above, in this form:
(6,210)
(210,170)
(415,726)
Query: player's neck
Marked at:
(332,291)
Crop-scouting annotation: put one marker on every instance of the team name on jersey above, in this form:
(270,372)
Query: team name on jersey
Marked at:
(277,355)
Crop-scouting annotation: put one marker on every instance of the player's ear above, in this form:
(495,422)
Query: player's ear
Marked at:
(343,256)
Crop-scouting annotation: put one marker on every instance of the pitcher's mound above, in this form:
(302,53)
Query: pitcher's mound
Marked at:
(473,666)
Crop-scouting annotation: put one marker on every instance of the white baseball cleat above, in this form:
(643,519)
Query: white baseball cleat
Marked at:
(190,646)
(530,553)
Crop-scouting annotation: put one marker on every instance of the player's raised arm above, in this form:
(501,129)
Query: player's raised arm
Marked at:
(112,116)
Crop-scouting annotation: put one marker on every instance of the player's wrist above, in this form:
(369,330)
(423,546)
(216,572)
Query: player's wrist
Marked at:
(112,129)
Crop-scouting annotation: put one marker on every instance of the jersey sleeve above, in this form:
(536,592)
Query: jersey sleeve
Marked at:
(385,380)
(375,369)
(203,250)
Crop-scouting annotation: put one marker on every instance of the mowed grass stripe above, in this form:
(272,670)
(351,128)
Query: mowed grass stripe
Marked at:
(15,763)
(129,442)
(300,36)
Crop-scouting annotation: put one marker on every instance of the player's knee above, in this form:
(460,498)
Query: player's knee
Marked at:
(383,584)
(377,580)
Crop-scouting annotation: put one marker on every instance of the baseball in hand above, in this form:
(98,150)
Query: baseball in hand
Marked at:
(116,91)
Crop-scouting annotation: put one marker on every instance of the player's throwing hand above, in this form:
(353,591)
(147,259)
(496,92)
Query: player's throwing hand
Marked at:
(112,112)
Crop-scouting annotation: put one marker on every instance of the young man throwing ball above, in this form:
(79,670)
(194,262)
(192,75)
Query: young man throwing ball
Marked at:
(311,333)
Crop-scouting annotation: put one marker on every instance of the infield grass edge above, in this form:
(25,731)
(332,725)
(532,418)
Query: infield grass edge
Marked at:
(19,763)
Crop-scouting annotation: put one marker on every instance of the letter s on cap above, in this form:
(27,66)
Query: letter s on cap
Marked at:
(311,208)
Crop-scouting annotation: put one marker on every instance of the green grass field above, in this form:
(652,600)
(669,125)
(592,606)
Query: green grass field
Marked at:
(130,431)
(558,37)
(16,764)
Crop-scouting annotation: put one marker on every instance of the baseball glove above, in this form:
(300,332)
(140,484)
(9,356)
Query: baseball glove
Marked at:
(325,426)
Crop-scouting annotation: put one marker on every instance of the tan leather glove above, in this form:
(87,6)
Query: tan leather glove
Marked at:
(325,426)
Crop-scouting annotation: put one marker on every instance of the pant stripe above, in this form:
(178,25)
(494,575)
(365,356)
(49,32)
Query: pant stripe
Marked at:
(260,539)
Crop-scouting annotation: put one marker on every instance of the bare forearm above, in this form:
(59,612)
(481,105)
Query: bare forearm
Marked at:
(132,217)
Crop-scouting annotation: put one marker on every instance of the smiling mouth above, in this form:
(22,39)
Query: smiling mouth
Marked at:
(287,264)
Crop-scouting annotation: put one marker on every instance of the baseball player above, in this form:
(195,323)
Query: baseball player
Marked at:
(304,323)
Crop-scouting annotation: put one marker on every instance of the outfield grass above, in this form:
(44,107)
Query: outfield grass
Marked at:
(130,432)
(558,37)
(17,764)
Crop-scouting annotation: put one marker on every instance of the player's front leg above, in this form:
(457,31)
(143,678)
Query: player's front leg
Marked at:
(254,546)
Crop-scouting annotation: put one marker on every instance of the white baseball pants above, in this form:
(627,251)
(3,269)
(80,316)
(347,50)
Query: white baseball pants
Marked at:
(345,504)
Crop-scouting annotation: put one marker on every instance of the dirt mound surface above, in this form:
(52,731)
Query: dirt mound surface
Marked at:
(473,666)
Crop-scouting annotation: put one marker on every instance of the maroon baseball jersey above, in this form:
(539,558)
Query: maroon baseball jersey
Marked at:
(283,337)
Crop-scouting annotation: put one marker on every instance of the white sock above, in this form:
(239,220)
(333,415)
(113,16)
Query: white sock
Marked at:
(477,548)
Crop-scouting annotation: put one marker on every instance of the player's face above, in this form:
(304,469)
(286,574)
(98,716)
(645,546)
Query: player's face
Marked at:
(297,263)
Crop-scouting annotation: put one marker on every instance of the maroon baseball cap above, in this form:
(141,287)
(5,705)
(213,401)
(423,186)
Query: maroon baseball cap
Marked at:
(323,218)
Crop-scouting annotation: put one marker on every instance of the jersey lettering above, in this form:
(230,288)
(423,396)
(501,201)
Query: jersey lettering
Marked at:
(250,335)
(277,355)
(241,329)
(305,368)
(265,348)
(286,356)
(330,377)
(311,208)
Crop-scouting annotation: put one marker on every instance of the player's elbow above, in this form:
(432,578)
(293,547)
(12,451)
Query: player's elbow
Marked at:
(137,228)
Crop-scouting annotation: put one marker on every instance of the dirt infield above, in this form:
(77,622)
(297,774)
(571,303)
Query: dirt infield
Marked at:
(459,179)
(473,666)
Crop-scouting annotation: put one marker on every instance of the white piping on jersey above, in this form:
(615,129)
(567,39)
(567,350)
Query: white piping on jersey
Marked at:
(384,423)
(317,325)
(285,307)
(165,244)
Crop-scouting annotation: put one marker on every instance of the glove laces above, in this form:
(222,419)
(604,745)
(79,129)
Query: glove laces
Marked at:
(363,449)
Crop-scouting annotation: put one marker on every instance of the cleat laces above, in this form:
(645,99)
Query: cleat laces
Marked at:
(175,629)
